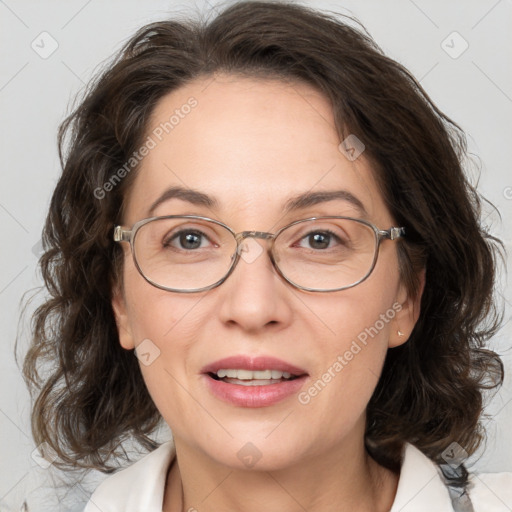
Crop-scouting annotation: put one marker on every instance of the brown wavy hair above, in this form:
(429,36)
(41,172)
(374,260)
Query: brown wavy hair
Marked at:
(92,396)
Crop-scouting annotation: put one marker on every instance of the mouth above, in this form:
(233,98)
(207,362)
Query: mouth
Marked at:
(253,381)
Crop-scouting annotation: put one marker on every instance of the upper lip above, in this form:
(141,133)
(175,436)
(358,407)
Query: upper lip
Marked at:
(259,363)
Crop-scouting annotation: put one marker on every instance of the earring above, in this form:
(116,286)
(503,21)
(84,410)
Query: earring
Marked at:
(400,333)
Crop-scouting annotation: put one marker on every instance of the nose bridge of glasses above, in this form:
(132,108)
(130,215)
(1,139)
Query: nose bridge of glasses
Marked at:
(253,234)
(251,251)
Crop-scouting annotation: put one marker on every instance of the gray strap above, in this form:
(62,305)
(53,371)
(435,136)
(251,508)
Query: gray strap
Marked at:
(458,493)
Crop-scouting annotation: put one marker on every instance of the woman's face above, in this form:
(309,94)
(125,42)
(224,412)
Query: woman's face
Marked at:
(251,145)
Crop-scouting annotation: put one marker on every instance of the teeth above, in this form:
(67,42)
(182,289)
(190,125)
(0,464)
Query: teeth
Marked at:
(252,375)
(252,382)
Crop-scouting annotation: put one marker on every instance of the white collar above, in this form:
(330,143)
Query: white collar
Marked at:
(140,487)
(421,487)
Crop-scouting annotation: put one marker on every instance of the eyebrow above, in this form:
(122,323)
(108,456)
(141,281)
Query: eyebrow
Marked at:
(309,199)
(299,202)
(186,194)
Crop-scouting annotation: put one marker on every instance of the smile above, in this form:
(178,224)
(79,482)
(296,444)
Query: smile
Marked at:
(253,382)
(252,378)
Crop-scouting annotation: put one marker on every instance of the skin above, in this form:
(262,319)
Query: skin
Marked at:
(252,144)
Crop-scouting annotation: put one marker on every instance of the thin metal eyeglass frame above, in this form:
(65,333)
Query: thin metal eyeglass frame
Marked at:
(128,235)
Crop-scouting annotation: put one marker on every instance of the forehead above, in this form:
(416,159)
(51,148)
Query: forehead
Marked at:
(251,144)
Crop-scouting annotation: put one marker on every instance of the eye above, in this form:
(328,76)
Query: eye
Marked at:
(186,239)
(319,240)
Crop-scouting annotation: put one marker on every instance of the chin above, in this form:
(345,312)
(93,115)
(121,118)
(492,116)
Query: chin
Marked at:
(255,453)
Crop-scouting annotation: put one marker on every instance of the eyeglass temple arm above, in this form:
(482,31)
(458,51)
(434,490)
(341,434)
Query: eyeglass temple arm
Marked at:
(122,235)
(392,233)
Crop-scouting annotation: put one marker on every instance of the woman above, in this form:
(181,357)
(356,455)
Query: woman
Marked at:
(272,216)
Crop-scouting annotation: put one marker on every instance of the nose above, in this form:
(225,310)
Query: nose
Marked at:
(254,296)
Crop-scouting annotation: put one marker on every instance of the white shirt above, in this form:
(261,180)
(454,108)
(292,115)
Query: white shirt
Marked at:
(140,487)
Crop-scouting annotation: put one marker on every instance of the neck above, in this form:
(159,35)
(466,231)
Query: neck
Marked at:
(344,479)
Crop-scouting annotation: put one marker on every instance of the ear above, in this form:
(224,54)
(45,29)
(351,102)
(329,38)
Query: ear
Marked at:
(407,313)
(121,315)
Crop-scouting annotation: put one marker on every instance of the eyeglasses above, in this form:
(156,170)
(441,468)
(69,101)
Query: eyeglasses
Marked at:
(190,253)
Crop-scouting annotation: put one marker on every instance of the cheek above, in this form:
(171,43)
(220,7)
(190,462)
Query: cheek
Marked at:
(362,315)
(164,327)
(351,352)
(338,393)
(357,343)
(153,313)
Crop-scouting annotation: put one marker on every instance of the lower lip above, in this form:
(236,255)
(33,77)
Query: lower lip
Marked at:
(254,396)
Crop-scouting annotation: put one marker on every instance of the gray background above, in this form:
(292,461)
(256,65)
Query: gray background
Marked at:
(474,89)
